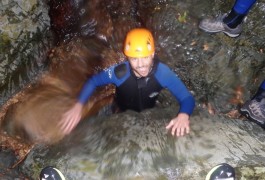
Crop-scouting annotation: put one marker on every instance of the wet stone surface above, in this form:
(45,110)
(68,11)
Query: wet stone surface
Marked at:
(132,145)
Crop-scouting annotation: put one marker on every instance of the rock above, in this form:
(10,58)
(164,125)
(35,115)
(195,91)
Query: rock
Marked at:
(136,145)
(25,40)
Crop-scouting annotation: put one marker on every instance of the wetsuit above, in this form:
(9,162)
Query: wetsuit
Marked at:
(140,93)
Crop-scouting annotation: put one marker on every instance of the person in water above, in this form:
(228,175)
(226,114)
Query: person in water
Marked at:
(138,81)
(231,23)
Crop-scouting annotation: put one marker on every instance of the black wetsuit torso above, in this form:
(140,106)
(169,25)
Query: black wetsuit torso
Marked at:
(137,93)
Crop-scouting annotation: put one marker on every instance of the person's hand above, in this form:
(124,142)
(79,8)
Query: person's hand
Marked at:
(180,125)
(71,118)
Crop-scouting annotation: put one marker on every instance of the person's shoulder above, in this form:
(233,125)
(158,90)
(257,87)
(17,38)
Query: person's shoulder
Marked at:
(121,69)
(162,67)
(158,63)
(163,71)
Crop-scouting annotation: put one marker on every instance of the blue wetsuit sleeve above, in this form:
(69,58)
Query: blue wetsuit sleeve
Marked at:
(102,78)
(168,79)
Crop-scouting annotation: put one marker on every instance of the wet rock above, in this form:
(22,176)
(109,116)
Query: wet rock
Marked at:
(65,18)
(137,145)
(213,66)
(7,160)
(25,40)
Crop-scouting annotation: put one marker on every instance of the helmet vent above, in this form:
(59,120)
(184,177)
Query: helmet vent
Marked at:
(149,47)
(139,49)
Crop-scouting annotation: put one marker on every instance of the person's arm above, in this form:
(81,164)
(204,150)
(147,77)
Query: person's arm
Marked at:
(72,117)
(180,124)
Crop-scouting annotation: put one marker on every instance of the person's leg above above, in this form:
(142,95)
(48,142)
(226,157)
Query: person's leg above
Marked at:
(254,109)
(230,24)
(238,13)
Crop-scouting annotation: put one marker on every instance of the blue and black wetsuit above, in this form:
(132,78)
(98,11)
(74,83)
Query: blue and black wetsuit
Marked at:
(140,93)
(238,12)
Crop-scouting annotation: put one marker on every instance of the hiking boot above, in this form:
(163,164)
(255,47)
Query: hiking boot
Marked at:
(254,110)
(217,25)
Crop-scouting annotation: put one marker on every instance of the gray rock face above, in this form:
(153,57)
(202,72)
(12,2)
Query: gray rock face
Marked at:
(25,39)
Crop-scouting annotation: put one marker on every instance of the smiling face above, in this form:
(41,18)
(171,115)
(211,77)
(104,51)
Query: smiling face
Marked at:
(141,66)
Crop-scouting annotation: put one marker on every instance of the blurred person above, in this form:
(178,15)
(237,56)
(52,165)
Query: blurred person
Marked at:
(138,82)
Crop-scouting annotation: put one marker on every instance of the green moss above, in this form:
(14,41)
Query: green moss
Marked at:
(249,172)
(5,42)
(36,168)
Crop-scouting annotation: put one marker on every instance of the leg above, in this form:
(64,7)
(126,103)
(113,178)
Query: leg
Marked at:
(230,24)
(254,109)
(238,12)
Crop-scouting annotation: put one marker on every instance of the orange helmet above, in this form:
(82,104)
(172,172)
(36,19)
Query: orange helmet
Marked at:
(139,42)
